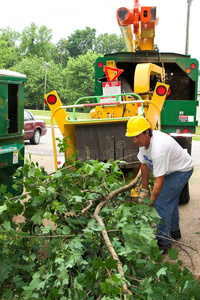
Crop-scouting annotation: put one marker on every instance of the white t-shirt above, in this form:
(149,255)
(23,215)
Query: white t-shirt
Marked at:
(165,155)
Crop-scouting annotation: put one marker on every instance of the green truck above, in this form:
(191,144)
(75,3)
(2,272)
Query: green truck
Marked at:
(178,115)
(11,126)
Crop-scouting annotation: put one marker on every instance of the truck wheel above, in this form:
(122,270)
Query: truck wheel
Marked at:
(185,195)
(36,137)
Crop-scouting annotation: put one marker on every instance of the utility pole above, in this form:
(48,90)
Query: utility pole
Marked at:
(45,79)
(188,26)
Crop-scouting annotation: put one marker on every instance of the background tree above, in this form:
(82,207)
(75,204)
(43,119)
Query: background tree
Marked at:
(60,53)
(106,43)
(81,41)
(36,41)
(80,77)
(9,52)
(35,72)
(9,35)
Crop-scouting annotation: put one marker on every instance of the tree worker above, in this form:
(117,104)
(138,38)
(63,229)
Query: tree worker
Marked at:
(172,167)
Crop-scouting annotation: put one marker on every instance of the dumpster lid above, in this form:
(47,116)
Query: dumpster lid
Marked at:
(10,73)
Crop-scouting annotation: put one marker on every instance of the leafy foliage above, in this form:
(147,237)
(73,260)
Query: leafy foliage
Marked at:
(35,72)
(81,41)
(80,77)
(36,41)
(57,250)
(106,43)
(9,53)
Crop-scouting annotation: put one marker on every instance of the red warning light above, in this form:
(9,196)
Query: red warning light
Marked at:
(161,90)
(185,130)
(100,64)
(51,99)
(193,66)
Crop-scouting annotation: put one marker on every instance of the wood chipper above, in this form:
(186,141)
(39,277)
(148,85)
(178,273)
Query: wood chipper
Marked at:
(102,137)
(141,81)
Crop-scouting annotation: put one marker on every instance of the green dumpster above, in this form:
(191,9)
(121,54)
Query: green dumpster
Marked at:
(11,126)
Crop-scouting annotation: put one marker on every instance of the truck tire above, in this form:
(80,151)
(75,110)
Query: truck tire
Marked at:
(36,137)
(185,195)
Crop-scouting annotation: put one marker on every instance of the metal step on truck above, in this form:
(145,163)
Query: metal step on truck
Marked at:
(160,86)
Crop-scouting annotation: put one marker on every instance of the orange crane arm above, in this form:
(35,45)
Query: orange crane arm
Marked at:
(143,22)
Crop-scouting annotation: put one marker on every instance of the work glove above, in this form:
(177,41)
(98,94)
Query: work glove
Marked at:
(143,195)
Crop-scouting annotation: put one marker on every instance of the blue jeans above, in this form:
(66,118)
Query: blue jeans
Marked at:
(167,204)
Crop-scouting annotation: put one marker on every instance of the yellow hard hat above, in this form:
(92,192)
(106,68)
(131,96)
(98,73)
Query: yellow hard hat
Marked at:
(136,125)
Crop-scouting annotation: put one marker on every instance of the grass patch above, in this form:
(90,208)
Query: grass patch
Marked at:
(46,115)
(197,138)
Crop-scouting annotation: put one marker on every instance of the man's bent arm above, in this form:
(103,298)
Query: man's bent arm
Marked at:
(145,172)
(157,188)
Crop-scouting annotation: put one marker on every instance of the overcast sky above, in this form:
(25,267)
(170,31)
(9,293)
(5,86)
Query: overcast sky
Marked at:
(65,16)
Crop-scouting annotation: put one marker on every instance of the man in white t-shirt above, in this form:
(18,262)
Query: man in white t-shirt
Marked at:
(172,167)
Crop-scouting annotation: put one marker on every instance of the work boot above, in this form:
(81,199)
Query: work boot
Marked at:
(164,248)
(176,235)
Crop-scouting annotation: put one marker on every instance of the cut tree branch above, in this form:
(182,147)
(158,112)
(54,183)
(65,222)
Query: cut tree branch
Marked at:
(105,233)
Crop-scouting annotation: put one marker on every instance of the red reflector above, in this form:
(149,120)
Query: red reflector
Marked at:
(100,64)
(190,131)
(169,92)
(193,66)
(161,90)
(185,130)
(45,102)
(51,99)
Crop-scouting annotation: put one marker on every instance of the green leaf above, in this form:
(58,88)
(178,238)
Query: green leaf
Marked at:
(57,174)
(33,256)
(162,271)
(78,199)
(7,225)
(131,235)
(76,191)
(26,258)
(2,208)
(46,229)
(37,219)
(111,263)
(173,253)
(42,189)
(59,260)
(66,230)
(41,285)
(8,294)
(31,172)
(47,215)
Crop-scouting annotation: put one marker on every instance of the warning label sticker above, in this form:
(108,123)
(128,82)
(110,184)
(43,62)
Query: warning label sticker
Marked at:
(15,157)
(111,88)
(183,118)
